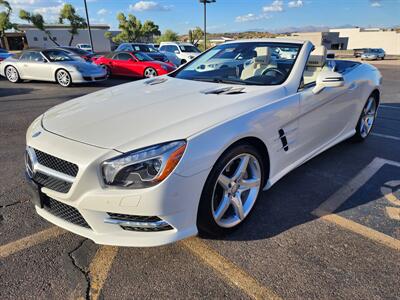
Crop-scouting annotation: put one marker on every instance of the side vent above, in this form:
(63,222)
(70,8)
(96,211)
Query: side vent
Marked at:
(283,139)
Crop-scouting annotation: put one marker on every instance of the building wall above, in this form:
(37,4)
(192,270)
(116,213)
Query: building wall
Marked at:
(330,40)
(358,38)
(38,39)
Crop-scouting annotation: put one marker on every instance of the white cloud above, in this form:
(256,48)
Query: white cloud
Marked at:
(376,4)
(102,12)
(251,17)
(148,5)
(295,3)
(276,6)
(22,2)
(48,10)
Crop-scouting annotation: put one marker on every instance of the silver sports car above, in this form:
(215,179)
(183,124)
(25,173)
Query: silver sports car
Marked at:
(50,65)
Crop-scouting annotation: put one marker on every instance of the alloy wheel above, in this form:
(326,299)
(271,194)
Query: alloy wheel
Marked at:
(236,190)
(12,74)
(150,72)
(368,117)
(63,78)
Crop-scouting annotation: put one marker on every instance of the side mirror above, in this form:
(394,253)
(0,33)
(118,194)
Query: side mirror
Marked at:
(328,79)
(176,51)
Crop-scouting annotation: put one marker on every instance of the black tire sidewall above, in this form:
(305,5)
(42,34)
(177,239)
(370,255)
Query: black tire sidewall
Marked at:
(205,222)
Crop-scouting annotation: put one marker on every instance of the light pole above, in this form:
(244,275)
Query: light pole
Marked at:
(88,24)
(205,2)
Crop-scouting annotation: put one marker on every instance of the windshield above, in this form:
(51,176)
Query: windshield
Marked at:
(250,63)
(143,48)
(188,48)
(57,55)
(142,57)
(77,51)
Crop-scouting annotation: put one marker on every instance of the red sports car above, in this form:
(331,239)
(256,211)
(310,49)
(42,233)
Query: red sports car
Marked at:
(133,64)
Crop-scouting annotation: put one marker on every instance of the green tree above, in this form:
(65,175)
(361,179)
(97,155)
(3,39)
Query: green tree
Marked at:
(75,21)
(131,29)
(168,36)
(149,30)
(195,35)
(37,21)
(5,22)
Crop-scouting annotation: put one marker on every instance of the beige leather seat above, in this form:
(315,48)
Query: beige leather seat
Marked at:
(261,62)
(315,64)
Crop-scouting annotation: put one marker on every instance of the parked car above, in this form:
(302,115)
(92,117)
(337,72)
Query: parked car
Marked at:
(133,64)
(77,53)
(144,48)
(359,51)
(85,47)
(4,54)
(154,161)
(50,65)
(373,54)
(184,51)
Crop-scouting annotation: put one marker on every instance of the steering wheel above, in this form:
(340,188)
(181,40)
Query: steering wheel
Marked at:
(273,70)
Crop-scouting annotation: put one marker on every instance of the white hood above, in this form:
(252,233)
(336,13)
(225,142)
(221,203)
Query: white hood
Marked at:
(134,115)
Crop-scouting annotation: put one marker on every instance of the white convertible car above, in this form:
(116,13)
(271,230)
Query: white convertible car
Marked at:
(154,161)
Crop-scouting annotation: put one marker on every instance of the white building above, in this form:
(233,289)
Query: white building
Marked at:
(371,38)
(36,38)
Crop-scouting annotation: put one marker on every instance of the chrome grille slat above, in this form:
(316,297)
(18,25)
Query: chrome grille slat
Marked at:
(65,212)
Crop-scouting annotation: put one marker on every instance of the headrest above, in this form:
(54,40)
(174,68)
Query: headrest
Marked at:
(317,57)
(263,55)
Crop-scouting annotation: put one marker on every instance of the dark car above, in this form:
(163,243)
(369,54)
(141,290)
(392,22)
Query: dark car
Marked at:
(360,51)
(148,49)
(76,52)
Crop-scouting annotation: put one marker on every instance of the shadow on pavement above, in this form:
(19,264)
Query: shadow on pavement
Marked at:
(6,92)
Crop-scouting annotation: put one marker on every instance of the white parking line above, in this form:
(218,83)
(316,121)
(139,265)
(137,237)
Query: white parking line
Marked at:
(386,136)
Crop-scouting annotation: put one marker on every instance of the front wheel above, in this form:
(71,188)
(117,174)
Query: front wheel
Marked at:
(107,69)
(230,191)
(366,120)
(63,78)
(12,74)
(149,72)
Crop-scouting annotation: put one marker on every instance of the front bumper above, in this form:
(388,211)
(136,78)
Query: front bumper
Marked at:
(174,201)
(88,77)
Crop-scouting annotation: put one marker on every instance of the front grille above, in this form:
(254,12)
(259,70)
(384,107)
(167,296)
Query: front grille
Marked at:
(65,212)
(52,183)
(56,163)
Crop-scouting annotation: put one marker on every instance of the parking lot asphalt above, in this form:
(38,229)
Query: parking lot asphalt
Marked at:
(329,229)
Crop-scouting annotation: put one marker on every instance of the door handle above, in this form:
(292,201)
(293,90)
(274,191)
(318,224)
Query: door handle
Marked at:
(353,86)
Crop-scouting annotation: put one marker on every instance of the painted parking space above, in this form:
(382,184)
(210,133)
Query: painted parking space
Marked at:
(369,204)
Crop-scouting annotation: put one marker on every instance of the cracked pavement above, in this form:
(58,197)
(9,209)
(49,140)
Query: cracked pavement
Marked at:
(282,245)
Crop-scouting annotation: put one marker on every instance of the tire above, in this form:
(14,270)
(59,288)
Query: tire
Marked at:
(224,193)
(367,119)
(63,78)
(12,74)
(108,70)
(149,73)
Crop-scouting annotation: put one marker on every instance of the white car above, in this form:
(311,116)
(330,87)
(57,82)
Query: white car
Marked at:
(184,51)
(53,65)
(85,47)
(151,162)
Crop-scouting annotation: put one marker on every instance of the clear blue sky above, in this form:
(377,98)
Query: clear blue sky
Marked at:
(231,15)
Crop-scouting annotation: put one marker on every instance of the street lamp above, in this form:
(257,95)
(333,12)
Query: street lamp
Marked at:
(205,2)
(88,23)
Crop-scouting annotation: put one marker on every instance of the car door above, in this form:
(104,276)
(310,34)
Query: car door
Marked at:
(326,115)
(125,63)
(35,66)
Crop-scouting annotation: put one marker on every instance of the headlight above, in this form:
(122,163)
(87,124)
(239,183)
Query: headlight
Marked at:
(145,167)
(164,67)
(80,69)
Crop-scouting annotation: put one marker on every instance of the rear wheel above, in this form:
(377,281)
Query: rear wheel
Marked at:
(149,72)
(366,120)
(12,74)
(63,78)
(231,190)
